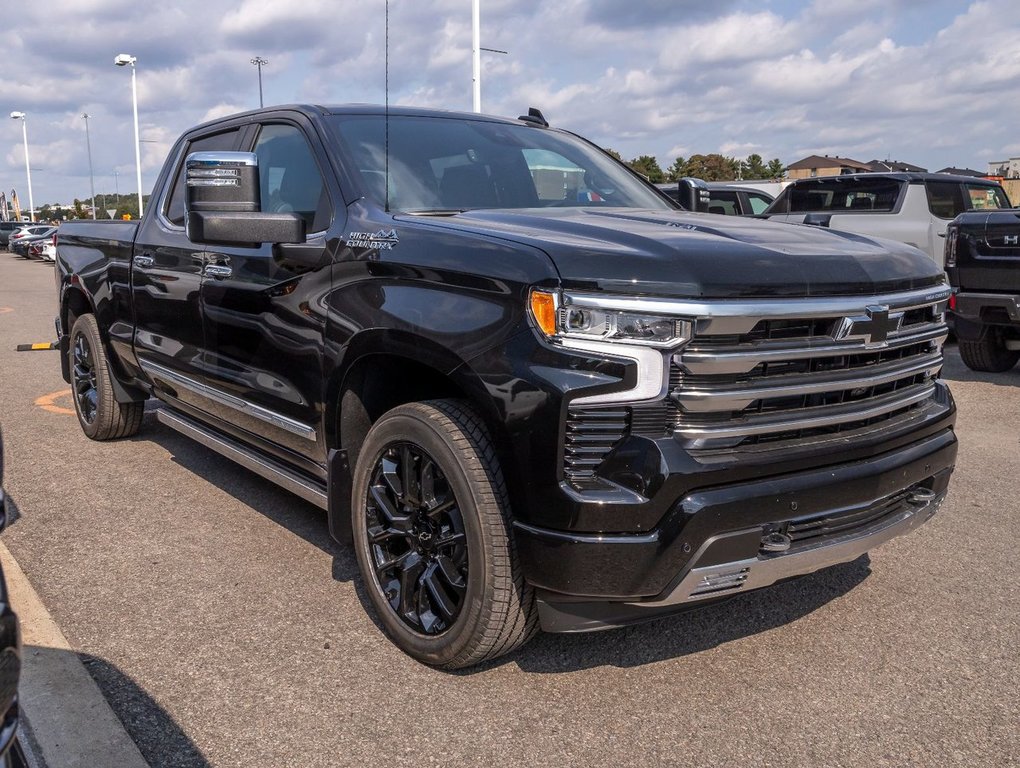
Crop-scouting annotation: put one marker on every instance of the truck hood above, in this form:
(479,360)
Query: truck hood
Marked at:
(673,253)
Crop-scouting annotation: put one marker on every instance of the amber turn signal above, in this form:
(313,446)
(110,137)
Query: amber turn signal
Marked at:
(543,309)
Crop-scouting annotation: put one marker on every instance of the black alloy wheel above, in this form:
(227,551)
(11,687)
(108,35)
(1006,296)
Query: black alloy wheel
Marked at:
(417,540)
(431,520)
(100,415)
(83,378)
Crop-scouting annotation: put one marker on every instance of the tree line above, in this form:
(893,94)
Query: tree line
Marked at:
(711,167)
(121,205)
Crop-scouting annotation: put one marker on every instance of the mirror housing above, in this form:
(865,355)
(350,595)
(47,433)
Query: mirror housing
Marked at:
(693,194)
(223,206)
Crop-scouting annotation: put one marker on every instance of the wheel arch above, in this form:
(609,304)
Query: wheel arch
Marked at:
(383,370)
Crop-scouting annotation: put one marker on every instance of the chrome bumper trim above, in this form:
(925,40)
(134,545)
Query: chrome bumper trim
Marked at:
(707,582)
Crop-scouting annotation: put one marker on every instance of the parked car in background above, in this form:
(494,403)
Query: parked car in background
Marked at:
(22,239)
(725,198)
(8,228)
(913,208)
(983,264)
(45,249)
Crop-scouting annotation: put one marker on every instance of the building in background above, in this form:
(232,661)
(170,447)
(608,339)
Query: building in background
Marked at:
(824,165)
(1007,169)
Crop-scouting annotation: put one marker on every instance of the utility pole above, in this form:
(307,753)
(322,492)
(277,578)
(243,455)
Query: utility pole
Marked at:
(259,62)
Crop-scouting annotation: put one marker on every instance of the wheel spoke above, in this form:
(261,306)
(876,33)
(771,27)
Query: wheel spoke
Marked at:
(387,509)
(379,533)
(408,479)
(406,601)
(437,593)
(389,474)
(448,539)
(427,482)
(451,575)
(444,506)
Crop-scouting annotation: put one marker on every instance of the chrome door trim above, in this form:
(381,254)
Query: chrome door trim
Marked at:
(231,401)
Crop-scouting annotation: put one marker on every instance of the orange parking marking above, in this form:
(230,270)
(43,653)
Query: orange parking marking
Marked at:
(46,402)
(5,310)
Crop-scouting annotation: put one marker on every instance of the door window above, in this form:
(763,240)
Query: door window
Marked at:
(289,176)
(216,142)
(758,202)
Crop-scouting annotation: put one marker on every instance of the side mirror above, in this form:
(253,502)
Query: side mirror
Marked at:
(222,203)
(693,194)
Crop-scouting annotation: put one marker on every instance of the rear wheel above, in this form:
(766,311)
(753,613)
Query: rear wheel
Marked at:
(432,535)
(989,352)
(100,415)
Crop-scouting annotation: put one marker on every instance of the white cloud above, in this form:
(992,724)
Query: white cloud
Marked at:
(931,83)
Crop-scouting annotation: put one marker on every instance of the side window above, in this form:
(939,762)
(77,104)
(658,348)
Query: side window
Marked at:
(289,176)
(983,197)
(721,201)
(758,202)
(945,199)
(227,140)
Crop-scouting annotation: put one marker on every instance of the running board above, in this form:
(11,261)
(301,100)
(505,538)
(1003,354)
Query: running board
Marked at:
(271,470)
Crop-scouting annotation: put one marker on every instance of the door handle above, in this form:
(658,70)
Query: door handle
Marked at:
(143,260)
(218,270)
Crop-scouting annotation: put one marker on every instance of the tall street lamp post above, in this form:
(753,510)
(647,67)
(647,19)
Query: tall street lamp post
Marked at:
(28,171)
(92,179)
(259,62)
(122,60)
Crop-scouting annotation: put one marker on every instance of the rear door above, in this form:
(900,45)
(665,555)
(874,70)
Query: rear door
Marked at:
(166,277)
(263,307)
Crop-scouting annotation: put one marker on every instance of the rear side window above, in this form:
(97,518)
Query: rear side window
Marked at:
(840,194)
(225,141)
(983,197)
(945,199)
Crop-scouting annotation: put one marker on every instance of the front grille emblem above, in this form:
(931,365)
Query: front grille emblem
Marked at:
(873,329)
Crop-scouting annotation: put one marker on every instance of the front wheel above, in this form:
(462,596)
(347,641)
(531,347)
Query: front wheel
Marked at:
(100,415)
(431,522)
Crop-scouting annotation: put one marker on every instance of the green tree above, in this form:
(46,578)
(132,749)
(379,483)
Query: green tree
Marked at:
(675,172)
(613,153)
(753,168)
(712,167)
(648,166)
(775,169)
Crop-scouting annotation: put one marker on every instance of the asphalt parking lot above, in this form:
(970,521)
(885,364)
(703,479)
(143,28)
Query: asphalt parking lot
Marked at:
(225,628)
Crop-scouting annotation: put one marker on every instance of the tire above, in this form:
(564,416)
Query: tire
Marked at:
(439,563)
(989,352)
(100,415)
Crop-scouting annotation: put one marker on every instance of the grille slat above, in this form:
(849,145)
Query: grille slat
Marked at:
(591,434)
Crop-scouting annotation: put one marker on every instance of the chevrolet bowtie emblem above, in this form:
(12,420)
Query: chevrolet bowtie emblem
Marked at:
(873,329)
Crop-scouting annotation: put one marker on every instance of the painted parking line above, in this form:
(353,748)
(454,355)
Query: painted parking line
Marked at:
(47,402)
(5,310)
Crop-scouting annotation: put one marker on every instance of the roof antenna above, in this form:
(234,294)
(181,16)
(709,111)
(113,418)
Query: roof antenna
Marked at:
(535,116)
(387,46)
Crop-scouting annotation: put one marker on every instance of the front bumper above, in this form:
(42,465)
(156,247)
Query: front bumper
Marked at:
(711,544)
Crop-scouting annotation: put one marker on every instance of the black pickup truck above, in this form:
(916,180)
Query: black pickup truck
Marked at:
(526,386)
(983,263)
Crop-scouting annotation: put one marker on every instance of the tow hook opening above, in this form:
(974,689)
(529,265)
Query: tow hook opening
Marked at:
(775,540)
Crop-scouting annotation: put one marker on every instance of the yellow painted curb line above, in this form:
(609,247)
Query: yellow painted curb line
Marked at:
(46,402)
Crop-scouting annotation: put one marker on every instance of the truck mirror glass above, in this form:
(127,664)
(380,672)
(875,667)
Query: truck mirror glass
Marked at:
(222,181)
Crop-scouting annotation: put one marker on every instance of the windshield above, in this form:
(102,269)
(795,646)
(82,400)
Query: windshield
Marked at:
(453,164)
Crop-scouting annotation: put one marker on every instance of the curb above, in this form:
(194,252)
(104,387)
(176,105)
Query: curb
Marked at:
(70,721)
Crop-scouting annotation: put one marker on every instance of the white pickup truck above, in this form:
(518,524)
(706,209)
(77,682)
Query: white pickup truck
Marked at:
(913,208)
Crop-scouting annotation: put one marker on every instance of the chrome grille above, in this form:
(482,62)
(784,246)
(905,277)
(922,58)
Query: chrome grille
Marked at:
(753,379)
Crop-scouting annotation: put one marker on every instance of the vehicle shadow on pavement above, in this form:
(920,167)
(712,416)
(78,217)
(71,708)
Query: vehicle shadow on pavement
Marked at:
(692,631)
(282,507)
(161,741)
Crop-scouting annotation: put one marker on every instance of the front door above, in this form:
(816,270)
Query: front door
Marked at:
(263,309)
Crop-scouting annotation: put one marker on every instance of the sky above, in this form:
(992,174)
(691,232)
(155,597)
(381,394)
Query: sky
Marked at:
(931,82)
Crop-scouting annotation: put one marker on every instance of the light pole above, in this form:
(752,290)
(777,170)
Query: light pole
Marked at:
(259,62)
(92,179)
(28,170)
(476,55)
(123,59)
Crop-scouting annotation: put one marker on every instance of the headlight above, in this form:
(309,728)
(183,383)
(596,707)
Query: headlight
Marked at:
(575,316)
